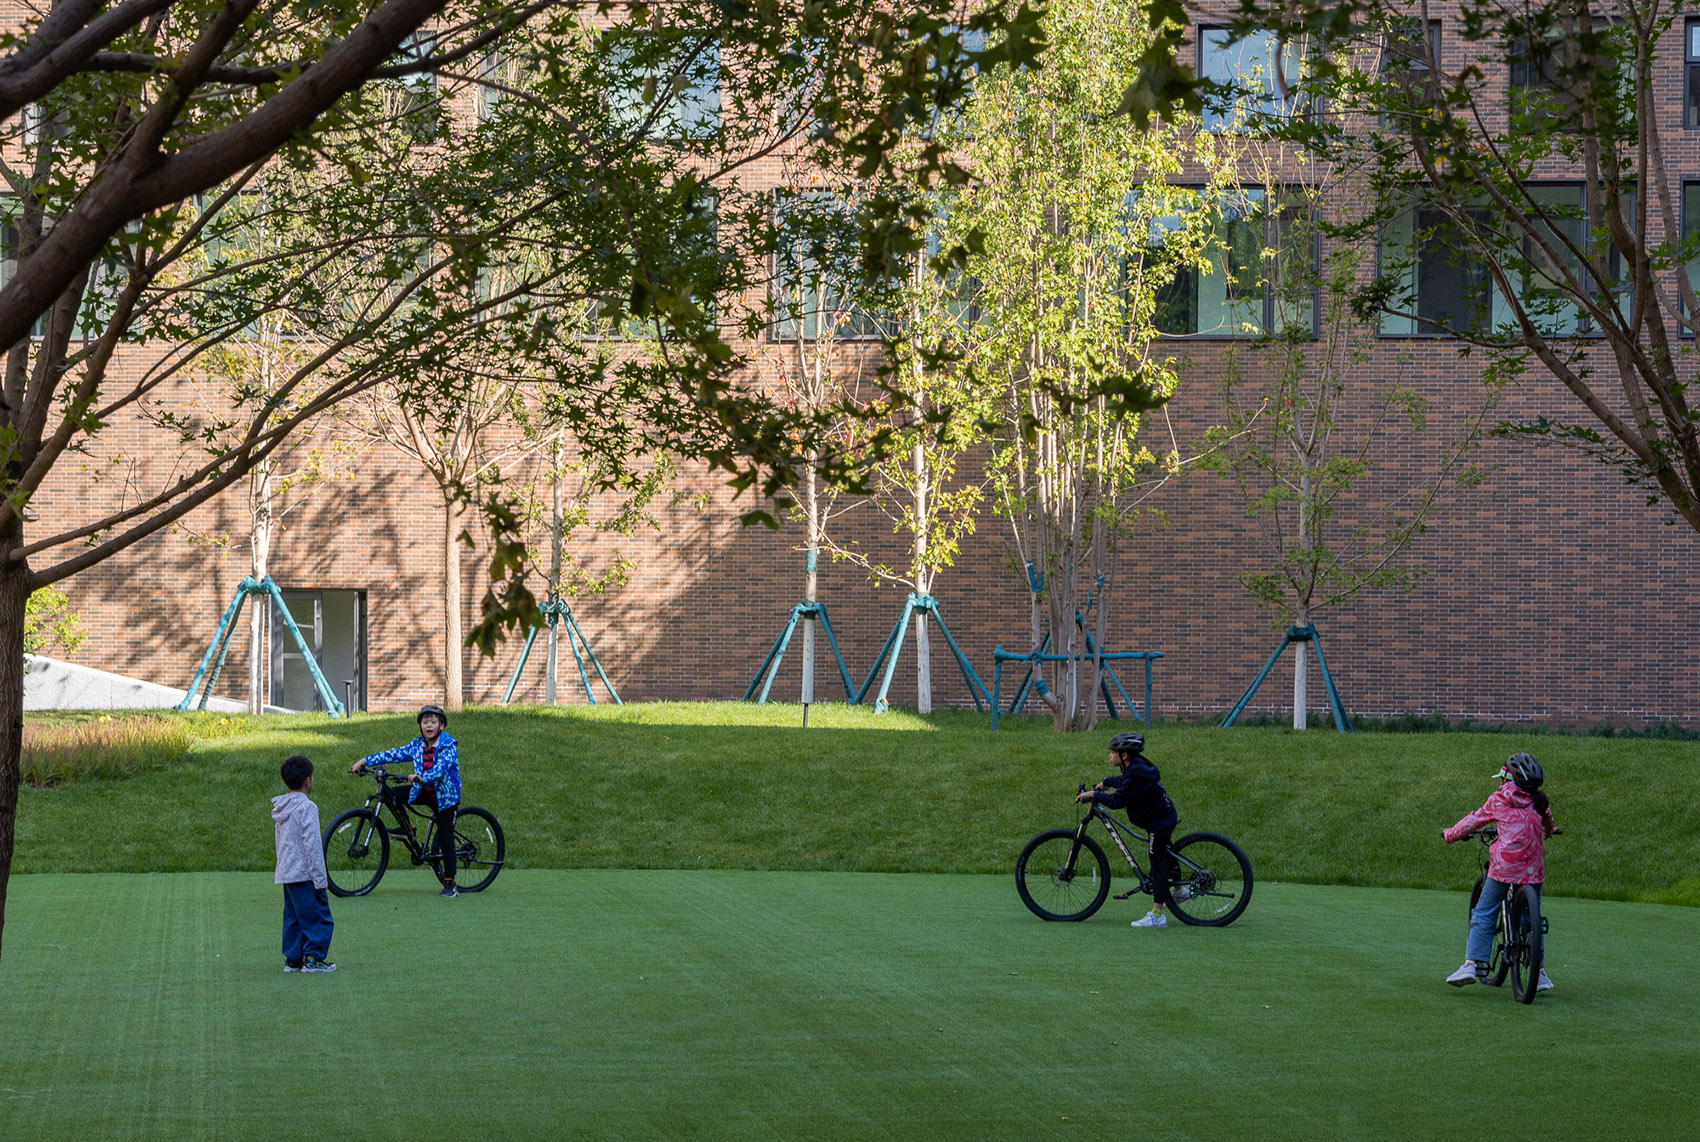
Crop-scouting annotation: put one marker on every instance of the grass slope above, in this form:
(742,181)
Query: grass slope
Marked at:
(731,785)
(653,1004)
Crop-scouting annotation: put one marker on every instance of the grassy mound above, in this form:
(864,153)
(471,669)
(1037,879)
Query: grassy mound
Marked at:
(729,785)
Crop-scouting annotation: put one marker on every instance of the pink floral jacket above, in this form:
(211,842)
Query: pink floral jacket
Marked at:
(1519,855)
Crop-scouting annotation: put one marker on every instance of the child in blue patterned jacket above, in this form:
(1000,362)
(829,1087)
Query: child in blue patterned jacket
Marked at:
(436,781)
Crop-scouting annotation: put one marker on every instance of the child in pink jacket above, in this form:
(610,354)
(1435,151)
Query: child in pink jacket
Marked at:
(1517,856)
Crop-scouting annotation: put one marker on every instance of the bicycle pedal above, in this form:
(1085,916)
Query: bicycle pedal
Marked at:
(1125,895)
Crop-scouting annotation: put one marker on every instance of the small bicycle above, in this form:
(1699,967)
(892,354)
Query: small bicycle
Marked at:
(1063,874)
(357,845)
(1519,934)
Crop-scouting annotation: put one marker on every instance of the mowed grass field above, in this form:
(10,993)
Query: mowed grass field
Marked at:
(603,1004)
(719,925)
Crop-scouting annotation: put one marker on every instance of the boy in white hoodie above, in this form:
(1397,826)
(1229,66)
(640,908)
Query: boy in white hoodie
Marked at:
(301,871)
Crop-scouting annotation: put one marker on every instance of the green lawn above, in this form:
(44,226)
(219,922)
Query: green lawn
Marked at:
(730,785)
(723,1004)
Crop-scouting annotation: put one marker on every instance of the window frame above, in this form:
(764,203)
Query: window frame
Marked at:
(1267,324)
(1296,106)
(861,325)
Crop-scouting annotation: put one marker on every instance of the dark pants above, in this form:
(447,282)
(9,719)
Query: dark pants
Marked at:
(306,921)
(445,819)
(1162,865)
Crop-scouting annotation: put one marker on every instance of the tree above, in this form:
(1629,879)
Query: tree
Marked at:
(1586,282)
(1305,446)
(1056,310)
(146,105)
(822,355)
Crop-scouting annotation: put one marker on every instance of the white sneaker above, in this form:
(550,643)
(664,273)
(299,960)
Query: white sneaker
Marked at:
(1151,920)
(1181,895)
(1543,984)
(1465,975)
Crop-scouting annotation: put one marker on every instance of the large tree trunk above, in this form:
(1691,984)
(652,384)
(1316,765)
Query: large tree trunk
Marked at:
(14,597)
(453,682)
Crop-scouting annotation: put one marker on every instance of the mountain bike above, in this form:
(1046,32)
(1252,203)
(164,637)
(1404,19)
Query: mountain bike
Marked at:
(1063,874)
(1519,934)
(357,844)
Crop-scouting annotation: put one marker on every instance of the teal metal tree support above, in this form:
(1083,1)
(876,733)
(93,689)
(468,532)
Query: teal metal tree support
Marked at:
(561,615)
(770,665)
(1033,660)
(1034,680)
(220,646)
(888,655)
(1295,634)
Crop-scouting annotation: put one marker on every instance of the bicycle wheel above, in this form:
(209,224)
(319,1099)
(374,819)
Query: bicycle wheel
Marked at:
(1058,880)
(357,850)
(1524,943)
(1212,881)
(479,848)
(1497,964)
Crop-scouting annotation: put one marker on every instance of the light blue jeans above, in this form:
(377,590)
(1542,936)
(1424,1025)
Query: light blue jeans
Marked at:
(1485,916)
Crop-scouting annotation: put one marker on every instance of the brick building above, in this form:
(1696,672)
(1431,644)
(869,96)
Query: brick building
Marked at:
(1556,594)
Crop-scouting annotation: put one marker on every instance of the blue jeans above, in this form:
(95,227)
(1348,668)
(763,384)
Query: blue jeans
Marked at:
(1484,917)
(306,921)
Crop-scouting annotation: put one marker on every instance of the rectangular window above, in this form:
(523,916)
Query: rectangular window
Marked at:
(1440,286)
(1560,68)
(1691,73)
(816,270)
(1407,48)
(1259,268)
(1258,77)
(107,277)
(1441,281)
(1691,239)
(671,83)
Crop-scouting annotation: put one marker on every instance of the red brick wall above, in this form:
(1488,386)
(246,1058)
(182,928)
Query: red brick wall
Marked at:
(1554,595)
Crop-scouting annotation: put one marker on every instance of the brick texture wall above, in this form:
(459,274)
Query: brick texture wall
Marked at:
(1556,594)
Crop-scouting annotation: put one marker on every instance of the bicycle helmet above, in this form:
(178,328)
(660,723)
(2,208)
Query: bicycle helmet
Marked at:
(1523,769)
(437,710)
(1128,743)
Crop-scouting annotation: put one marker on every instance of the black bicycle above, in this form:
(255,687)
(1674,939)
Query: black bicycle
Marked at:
(1063,874)
(1519,934)
(357,845)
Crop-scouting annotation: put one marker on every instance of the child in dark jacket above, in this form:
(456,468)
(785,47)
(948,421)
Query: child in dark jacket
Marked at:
(301,870)
(1137,787)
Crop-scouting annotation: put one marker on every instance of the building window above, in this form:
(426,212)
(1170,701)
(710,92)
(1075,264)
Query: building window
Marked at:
(1691,68)
(1257,77)
(1440,286)
(1691,239)
(1558,71)
(816,269)
(1260,268)
(1440,278)
(1409,51)
(667,84)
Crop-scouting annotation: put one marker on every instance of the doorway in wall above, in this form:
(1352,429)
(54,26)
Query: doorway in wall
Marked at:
(333,623)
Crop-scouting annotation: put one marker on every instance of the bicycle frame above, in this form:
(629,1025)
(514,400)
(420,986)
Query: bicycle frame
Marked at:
(1115,828)
(404,830)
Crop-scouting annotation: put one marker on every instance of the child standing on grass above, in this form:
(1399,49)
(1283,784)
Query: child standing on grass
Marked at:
(1517,856)
(301,871)
(1137,786)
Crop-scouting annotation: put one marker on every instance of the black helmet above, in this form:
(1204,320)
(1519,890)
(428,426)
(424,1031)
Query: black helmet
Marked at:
(1128,743)
(437,710)
(1523,769)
